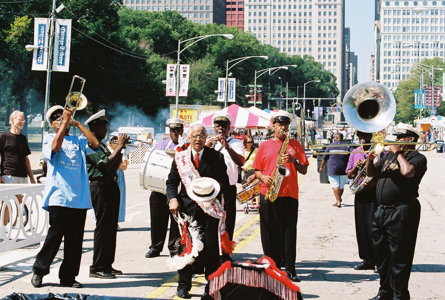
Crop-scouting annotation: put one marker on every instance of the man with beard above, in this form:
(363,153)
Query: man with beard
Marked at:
(105,195)
(159,213)
(278,219)
(65,196)
(207,163)
(233,151)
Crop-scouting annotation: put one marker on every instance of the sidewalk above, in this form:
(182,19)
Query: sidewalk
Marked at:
(326,248)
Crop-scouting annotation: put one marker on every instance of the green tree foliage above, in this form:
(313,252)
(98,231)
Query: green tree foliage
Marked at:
(123,54)
(420,73)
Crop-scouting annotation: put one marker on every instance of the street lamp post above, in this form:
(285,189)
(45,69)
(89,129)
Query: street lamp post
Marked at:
(262,72)
(424,67)
(196,39)
(304,110)
(237,60)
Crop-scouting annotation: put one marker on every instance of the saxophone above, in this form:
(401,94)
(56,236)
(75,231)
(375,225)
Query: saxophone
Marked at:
(280,172)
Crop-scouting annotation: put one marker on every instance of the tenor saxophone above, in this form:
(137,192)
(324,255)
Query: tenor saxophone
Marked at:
(278,175)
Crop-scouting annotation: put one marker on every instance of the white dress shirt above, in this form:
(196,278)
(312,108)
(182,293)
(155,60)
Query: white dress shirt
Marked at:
(232,168)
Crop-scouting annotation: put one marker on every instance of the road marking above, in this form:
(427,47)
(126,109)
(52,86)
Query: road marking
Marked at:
(200,280)
(442,193)
(130,216)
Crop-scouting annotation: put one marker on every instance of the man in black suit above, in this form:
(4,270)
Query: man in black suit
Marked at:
(209,163)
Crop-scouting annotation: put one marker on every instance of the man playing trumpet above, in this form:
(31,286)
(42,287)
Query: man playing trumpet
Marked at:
(278,219)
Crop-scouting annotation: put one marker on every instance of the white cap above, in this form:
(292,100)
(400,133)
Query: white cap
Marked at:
(175,122)
(52,110)
(97,118)
(281,116)
(407,129)
(222,116)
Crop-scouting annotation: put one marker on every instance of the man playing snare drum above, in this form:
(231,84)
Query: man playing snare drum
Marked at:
(159,212)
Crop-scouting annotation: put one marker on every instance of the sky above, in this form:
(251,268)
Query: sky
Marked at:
(359,16)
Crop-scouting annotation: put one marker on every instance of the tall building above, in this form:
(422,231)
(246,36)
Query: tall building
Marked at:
(235,14)
(301,27)
(198,11)
(409,32)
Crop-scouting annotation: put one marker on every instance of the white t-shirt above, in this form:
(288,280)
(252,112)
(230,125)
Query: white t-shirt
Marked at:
(232,168)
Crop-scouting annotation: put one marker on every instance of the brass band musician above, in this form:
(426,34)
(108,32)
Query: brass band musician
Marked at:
(282,214)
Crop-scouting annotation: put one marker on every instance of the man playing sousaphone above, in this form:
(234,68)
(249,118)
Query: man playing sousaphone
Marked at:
(278,219)
(364,201)
(201,173)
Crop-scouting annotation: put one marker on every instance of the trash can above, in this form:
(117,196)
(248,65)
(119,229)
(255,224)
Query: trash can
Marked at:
(324,174)
(439,148)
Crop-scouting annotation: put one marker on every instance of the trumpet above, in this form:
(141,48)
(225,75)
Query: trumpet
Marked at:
(76,100)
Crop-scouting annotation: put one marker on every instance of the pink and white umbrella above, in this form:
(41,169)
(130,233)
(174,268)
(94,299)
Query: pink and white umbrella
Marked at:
(242,118)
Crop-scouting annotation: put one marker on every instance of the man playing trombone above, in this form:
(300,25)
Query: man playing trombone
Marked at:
(396,220)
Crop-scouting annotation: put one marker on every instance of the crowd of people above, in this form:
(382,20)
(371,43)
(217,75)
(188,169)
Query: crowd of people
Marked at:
(85,173)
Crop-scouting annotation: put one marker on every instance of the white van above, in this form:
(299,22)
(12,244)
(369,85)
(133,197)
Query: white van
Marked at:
(138,133)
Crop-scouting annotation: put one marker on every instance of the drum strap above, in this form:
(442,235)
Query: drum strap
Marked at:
(213,208)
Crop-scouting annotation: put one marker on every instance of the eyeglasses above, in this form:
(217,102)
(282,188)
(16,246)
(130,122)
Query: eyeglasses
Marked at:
(199,136)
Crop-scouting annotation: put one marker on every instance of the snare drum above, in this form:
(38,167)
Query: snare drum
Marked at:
(154,171)
(249,191)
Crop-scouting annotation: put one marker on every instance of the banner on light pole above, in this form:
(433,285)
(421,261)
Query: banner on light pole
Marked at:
(62,45)
(41,33)
(184,72)
(231,90)
(170,89)
(221,88)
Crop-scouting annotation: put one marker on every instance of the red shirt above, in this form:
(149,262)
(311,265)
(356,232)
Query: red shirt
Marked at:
(266,161)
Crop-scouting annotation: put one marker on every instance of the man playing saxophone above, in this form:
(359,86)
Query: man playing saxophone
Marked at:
(281,215)
(365,204)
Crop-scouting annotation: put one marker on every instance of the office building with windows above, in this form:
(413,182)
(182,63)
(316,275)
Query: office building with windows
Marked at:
(407,32)
(235,14)
(301,27)
(198,11)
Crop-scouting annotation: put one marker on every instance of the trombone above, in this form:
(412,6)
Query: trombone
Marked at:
(377,146)
(76,100)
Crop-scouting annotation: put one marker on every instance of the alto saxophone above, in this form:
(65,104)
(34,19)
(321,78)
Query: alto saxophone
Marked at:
(278,175)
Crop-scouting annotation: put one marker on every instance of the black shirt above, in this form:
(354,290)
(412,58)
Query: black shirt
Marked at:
(14,150)
(393,187)
(96,165)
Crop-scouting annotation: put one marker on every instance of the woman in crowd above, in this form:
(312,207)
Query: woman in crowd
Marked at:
(250,152)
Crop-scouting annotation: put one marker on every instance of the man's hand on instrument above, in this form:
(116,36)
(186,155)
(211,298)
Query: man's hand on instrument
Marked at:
(211,141)
(222,140)
(173,206)
(123,140)
(75,123)
(251,178)
(267,180)
(287,158)
(395,148)
(359,163)
(68,114)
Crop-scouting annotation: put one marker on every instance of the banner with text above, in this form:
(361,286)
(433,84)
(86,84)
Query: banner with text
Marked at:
(184,73)
(231,90)
(62,45)
(40,56)
(221,88)
(170,88)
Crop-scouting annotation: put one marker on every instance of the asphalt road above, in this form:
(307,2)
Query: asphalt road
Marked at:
(326,254)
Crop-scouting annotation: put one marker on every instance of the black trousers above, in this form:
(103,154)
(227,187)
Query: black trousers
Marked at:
(159,215)
(209,256)
(230,208)
(67,223)
(278,224)
(394,237)
(106,197)
(364,209)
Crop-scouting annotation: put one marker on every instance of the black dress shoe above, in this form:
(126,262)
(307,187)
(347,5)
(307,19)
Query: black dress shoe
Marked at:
(364,265)
(36,280)
(152,253)
(71,283)
(206,296)
(116,272)
(294,278)
(378,297)
(102,275)
(181,293)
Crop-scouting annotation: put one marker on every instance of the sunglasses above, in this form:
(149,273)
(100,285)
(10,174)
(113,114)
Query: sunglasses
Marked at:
(55,117)
(175,130)
(249,142)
